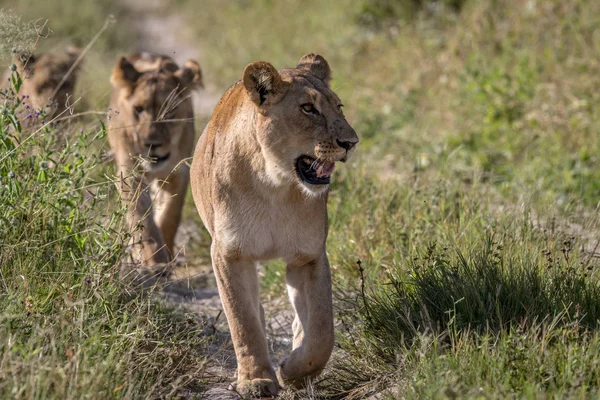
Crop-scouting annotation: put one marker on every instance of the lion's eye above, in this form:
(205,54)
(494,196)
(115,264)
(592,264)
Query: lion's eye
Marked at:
(138,110)
(309,108)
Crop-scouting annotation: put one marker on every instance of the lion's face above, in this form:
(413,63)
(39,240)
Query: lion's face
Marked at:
(300,123)
(49,81)
(155,106)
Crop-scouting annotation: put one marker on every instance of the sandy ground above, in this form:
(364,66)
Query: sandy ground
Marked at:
(160,31)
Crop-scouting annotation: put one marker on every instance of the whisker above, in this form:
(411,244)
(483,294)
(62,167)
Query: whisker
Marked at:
(315,164)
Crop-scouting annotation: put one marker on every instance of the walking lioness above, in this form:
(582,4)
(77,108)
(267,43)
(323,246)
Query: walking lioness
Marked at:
(260,180)
(150,132)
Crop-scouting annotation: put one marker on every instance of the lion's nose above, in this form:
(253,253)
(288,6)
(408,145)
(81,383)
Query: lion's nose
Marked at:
(347,145)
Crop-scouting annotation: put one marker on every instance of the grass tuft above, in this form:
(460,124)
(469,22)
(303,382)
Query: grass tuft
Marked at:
(66,329)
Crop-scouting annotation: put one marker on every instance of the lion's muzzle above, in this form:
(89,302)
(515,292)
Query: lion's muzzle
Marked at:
(314,171)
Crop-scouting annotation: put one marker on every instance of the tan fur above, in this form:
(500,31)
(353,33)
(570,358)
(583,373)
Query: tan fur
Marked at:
(252,201)
(153,118)
(48,80)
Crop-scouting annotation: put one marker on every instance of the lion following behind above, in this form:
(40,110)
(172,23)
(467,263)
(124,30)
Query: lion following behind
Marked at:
(48,82)
(150,133)
(260,179)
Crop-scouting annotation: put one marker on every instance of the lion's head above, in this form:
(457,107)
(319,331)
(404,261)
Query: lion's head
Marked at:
(48,79)
(300,124)
(152,96)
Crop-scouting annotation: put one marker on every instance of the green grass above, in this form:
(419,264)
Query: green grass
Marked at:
(54,25)
(454,279)
(67,328)
(530,362)
(471,203)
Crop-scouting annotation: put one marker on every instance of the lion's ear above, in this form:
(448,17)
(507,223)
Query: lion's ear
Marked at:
(190,75)
(263,83)
(72,55)
(317,65)
(73,52)
(25,61)
(124,74)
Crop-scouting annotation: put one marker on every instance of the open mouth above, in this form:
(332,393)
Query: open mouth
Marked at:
(154,159)
(314,171)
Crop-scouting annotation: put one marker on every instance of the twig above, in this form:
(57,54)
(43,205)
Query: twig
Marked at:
(362,288)
(81,114)
(213,326)
(87,48)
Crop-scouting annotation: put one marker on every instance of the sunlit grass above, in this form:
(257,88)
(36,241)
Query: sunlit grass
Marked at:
(471,203)
(67,327)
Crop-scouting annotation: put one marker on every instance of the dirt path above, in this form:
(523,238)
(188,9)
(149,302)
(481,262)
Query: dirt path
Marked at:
(161,31)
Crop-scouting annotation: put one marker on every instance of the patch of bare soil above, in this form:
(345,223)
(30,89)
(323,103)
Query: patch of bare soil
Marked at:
(164,32)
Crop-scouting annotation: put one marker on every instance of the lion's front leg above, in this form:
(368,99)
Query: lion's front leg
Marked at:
(309,288)
(237,281)
(148,243)
(169,204)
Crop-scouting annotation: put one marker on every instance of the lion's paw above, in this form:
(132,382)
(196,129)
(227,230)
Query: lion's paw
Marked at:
(257,388)
(298,380)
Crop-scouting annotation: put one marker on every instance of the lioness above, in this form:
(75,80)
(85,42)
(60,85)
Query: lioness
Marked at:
(260,178)
(150,133)
(48,81)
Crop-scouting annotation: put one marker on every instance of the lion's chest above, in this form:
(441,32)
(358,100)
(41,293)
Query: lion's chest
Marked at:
(263,231)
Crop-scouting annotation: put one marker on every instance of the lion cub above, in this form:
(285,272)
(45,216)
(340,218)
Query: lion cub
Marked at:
(260,180)
(151,132)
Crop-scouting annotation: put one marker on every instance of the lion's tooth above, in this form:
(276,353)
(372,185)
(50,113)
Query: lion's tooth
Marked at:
(320,171)
(328,168)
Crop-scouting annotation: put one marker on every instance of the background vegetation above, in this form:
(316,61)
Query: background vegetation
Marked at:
(67,328)
(54,25)
(472,204)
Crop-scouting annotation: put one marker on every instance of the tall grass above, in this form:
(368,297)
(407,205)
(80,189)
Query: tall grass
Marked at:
(66,328)
(472,199)
(53,25)
(451,283)
(471,203)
